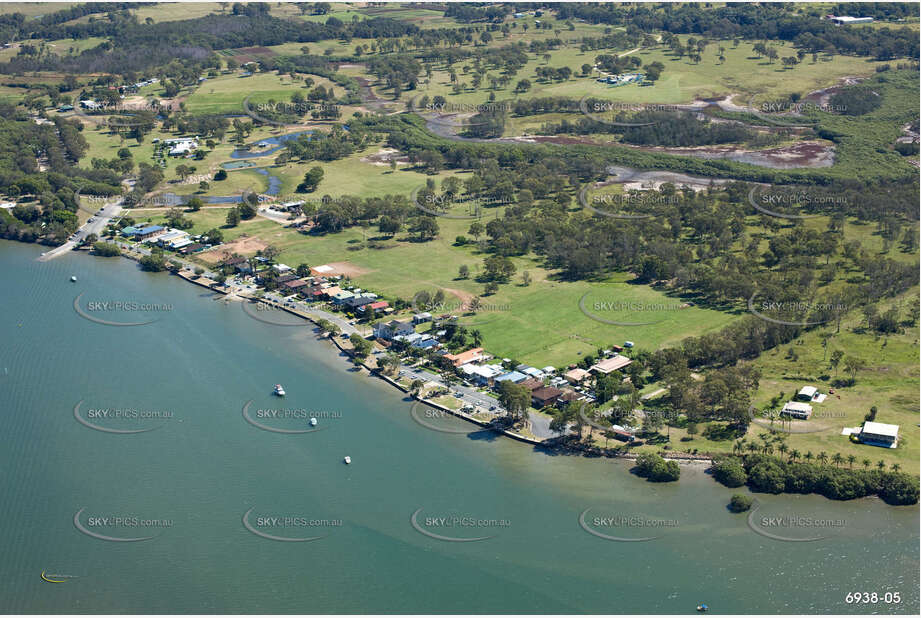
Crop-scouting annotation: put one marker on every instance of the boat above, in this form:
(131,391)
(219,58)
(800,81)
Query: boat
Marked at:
(702,607)
(347,459)
(313,422)
(279,390)
(72,278)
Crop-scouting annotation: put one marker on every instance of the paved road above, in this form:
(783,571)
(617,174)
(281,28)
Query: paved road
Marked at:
(96,225)
(540,425)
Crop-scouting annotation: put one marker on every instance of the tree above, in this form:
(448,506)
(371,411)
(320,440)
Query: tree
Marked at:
(194,204)
(515,398)
(852,365)
(311,180)
(361,347)
(463,271)
(426,227)
(835,359)
(739,503)
(233,217)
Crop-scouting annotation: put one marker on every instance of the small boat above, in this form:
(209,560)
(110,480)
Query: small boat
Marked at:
(72,278)
(347,459)
(279,390)
(702,607)
(313,422)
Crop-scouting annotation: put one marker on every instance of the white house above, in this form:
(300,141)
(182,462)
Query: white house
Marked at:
(879,434)
(797,409)
(393,328)
(182,147)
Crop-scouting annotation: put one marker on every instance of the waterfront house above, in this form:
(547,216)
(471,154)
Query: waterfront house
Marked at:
(610,364)
(341,296)
(482,375)
(129,231)
(151,231)
(797,409)
(545,396)
(295,285)
(879,434)
(239,264)
(470,356)
(392,329)
(180,243)
(360,300)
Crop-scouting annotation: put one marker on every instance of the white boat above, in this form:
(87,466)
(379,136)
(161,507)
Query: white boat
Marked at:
(72,278)
(279,390)
(313,422)
(347,459)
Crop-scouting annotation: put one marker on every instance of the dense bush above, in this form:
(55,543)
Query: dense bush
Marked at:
(730,473)
(740,503)
(656,469)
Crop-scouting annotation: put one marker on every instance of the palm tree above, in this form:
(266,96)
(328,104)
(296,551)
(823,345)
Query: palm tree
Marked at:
(896,467)
(822,457)
(850,461)
(794,455)
(837,459)
(881,465)
(808,456)
(738,445)
(866,463)
(477,338)
(782,448)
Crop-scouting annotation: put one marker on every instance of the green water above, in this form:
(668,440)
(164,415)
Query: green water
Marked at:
(204,467)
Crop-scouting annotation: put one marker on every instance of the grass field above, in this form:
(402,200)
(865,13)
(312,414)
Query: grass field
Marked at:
(226,93)
(683,81)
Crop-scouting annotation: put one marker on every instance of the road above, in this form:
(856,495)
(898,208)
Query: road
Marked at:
(95,225)
(540,425)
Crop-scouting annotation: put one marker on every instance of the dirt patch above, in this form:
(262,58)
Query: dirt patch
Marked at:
(384,156)
(802,154)
(242,246)
(346,269)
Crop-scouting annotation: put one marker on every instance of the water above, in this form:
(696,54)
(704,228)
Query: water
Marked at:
(206,466)
(278,141)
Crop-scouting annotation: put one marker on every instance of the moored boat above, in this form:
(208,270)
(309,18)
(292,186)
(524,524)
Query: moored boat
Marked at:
(279,390)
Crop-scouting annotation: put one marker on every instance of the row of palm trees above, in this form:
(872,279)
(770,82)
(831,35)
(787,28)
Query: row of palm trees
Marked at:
(770,444)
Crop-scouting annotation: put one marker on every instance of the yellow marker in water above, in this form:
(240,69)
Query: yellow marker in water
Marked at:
(52,581)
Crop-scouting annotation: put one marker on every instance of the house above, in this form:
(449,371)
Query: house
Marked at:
(797,409)
(575,376)
(879,434)
(470,356)
(482,375)
(568,396)
(393,328)
(169,236)
(89,104)
(295,285)
(285,278)
(807,393)
(545,396)
(532,384)
(342,296)
(360,300)
(421,318)
(180,243)
(847,20)
(195,247)
(129,231)
(375,306)
(239,264)
(512,376)
(610,364)
(151,231)
(182,147)
(548,370)
(281,268)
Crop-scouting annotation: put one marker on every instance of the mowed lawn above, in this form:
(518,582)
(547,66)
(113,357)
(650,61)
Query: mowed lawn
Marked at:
(225,94)
(889,382)
(540,323)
